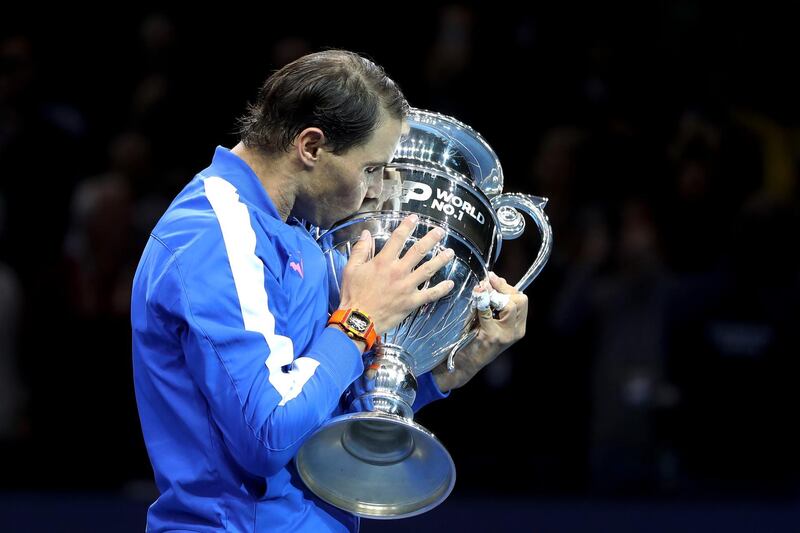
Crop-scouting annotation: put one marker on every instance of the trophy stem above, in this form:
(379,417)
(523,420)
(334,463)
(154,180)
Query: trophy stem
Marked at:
(388,385)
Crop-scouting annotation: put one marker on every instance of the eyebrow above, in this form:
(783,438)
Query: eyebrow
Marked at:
(376,163)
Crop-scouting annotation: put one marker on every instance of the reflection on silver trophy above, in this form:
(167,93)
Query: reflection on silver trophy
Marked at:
(376,462)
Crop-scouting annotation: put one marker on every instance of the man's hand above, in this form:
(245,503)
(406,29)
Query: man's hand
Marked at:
(494,337)
(386,286)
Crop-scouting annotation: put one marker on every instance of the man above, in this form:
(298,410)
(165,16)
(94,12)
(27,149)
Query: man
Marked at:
(235,363)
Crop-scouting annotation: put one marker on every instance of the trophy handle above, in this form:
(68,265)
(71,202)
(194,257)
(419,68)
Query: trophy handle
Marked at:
(463,341)
(512,225)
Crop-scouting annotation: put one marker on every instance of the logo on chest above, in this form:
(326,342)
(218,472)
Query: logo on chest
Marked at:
(297,267)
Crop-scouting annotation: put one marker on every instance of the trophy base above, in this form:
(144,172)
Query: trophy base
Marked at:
(377,465)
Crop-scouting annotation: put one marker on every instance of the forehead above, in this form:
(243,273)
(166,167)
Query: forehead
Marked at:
(382,144)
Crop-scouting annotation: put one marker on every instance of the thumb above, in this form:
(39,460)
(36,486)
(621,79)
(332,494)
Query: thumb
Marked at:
(359,254)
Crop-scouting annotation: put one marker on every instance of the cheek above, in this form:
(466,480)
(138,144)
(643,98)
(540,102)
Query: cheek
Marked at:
(353,188)
(347,188)
(359,191)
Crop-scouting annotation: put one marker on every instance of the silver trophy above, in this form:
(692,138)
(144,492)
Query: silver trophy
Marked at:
(376,462)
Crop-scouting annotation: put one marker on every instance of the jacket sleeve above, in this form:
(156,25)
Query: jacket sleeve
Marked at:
(427,391)
(263,398)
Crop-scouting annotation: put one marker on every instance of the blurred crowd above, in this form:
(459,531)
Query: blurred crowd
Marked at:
(661,350)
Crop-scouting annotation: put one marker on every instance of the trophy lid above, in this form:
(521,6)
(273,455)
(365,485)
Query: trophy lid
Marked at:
(444,146)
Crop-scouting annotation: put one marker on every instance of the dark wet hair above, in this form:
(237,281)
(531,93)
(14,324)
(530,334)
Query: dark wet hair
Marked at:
(338,91)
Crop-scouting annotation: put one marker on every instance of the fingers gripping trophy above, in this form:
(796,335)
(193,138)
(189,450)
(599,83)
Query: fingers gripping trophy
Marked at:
(376,462)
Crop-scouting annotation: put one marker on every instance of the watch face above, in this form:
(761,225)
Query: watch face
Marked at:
(358,322)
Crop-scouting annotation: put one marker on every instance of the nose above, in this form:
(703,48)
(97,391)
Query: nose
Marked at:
(374,186)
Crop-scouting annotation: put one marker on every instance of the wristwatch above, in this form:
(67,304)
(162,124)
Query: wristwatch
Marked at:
(357,325)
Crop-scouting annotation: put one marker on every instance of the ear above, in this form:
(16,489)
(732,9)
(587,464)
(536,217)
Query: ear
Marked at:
(309,144)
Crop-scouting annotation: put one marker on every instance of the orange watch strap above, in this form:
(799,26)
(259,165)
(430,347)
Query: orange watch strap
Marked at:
(338,316)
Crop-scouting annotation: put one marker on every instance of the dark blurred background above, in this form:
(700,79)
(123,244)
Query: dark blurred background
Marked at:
(657,386)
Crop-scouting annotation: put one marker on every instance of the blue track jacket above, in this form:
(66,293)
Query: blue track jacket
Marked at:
(233,363)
